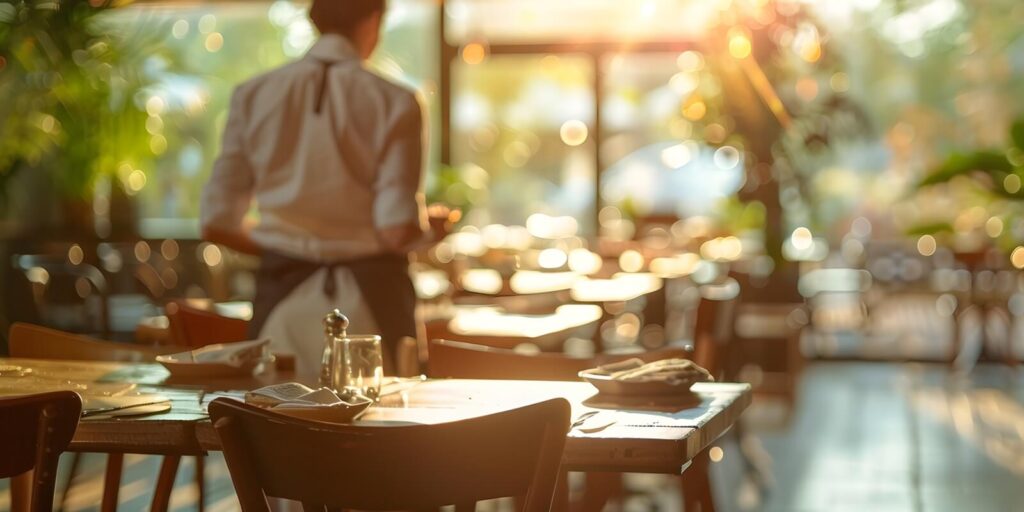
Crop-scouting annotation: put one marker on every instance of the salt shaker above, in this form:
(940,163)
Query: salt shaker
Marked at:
(335,327)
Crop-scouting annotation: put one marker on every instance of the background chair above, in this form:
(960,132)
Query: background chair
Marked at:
(72,296)
(34,342)
(194,327)
(411,467)
(769,320)
(34,430)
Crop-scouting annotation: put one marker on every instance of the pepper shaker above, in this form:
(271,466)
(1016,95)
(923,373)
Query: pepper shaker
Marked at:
(335,328)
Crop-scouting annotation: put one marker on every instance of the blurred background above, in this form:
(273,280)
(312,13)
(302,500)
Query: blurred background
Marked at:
(862,160)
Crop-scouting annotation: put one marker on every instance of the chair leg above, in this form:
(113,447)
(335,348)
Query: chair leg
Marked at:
(76,461)
(112,482)
(201,483)
(696,486)
(165,483)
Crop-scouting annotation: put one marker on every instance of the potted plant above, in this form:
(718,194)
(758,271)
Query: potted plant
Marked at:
(74,105)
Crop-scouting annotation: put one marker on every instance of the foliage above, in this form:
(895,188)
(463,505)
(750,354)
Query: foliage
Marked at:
(997,174)
(739,217)
(71,86)
(990,168)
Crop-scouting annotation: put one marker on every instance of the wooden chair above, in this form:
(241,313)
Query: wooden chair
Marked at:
(455,359)
(712,334)
(63,289)
(408,467)
(769,319)
(34,342)
(195,327)
(34,430)
(29,341)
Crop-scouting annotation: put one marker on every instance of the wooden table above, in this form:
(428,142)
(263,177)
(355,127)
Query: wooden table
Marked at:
(620,288)
(497,328)
(644,438)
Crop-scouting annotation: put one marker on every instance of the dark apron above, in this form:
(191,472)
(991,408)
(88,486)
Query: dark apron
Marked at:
(383,282)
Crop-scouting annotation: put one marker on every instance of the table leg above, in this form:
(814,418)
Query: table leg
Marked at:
(165,483)
(600,488)
(696,486)
(112,482)
(560,501)
(201,482)
(21,492)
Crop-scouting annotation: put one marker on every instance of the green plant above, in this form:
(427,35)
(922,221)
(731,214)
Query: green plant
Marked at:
(996,174)
(72,88)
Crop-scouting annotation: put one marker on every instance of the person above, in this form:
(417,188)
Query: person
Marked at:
(332,154)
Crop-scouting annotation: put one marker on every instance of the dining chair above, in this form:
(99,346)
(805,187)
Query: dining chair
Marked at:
(194,327)
(34,430)
(402,467)
(456,359)
(66,294)
(769,320)
(28,341)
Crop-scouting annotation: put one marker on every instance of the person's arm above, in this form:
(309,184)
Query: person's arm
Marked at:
(228,194)
(398,209)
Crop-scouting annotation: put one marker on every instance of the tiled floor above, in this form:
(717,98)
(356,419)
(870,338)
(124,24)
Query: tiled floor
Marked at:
(889,437)
(871,437)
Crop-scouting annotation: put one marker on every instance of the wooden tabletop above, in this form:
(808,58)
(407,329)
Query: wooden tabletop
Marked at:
(640,436)
(496,328)
(620,288)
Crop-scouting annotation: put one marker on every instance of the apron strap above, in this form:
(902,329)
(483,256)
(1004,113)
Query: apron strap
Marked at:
(325,68)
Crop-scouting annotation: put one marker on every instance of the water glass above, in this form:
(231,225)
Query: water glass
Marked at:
(357,365)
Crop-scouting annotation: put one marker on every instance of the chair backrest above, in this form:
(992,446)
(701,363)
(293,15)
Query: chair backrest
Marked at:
(402,467)
(712,329)
(58,283)
(29,341)
(194,327)
(34,430)
(456,359)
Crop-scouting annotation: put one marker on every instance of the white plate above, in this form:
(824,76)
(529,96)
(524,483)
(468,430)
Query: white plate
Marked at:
(242,359)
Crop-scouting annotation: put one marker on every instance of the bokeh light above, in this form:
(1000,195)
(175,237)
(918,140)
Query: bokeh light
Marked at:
(574,132)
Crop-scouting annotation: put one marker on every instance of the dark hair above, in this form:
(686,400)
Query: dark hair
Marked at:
(342,16)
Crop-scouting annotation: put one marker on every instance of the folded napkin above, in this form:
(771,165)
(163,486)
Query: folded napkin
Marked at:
(294,399)
(670,371)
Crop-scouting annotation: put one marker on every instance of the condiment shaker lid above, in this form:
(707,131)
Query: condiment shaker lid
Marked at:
(336,324)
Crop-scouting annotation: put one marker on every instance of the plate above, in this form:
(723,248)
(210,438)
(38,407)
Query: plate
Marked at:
(344,412)
(607,385)
(225,360)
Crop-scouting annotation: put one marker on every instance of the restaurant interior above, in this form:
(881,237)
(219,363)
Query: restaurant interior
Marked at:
(733,255)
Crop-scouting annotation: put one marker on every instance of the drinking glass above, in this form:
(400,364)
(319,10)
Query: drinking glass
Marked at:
(357,366)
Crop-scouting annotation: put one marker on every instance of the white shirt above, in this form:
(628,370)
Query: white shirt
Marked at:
(325,182)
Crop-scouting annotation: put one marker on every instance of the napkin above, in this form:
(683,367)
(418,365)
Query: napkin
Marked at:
(294,399)
(294,395)
(670,371)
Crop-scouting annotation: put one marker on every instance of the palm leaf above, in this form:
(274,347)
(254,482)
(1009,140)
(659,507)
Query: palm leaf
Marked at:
(990,162)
